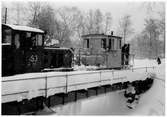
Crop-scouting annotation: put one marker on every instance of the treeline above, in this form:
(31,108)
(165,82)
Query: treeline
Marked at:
(68,24)
(150,43)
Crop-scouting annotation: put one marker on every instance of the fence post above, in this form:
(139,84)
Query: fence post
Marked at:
(46,86)
(146,69)
(100,78)
(112,77)
(66,82)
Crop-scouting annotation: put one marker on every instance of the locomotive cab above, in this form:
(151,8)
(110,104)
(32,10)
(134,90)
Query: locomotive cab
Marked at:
(21,49)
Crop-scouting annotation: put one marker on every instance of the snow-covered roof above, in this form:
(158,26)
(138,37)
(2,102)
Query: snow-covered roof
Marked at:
(24,28)
(99,36)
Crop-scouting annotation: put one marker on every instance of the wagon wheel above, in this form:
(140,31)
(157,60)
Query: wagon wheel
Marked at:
(33,62)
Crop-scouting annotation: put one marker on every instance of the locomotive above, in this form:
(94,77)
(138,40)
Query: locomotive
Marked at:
(23,51)
(104,51)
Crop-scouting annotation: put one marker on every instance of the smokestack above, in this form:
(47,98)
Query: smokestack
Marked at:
(112,33)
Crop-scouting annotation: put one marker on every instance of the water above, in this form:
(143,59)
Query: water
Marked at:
(114,103)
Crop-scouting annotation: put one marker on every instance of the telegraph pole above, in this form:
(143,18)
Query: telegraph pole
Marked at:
(5,15)
(18,13)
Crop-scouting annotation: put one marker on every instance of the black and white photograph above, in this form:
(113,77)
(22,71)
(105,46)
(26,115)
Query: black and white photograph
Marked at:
(82,57)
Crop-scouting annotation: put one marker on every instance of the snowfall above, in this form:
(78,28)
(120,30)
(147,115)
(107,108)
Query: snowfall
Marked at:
(151,102)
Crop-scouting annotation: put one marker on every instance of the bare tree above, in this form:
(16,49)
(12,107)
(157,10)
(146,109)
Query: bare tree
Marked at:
(89,22)
(3,14)
(94,22)
(162,27)
(108,21)
(98,19)
(125,27)
(152,29)
(35,10)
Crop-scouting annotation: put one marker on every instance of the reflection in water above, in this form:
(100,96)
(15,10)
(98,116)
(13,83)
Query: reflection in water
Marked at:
(112,103)
(151,102)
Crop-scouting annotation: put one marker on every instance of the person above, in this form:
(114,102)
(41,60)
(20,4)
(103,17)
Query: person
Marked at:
(158,60)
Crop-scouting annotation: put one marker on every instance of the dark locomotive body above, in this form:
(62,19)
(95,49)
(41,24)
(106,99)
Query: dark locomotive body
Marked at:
(23,51)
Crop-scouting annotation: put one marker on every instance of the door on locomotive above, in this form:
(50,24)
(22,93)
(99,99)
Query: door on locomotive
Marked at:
(21,49)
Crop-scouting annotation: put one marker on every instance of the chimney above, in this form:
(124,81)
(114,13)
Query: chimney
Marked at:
(112,33)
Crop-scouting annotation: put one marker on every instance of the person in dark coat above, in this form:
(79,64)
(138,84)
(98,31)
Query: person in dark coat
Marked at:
(158,60)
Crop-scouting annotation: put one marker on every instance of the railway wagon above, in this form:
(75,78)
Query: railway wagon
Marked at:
(23,51)
(104,50)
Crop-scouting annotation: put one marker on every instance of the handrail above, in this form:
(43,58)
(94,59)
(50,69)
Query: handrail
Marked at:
(72,74)
(46,77)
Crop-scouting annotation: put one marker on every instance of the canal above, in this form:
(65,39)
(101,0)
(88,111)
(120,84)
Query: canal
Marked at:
(151,102)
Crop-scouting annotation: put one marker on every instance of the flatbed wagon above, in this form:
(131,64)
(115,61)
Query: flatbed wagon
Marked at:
(32,85)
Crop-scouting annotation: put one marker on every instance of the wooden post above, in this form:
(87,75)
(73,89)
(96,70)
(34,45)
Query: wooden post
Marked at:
(46,87)
(66,83)
(100,78)
(79,58)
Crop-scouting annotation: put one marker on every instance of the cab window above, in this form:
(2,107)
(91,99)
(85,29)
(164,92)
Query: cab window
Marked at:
(103,43)
(17,41)
(7,36)
(39,41)
(34,39)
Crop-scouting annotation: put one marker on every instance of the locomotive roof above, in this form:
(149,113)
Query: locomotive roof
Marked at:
(100,35)
(23,28)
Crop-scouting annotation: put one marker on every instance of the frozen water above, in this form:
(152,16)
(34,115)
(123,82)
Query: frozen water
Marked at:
(114,103)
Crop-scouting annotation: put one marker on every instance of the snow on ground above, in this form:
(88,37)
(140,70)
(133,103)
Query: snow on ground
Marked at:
(114,103)
(135,63)
(145,62)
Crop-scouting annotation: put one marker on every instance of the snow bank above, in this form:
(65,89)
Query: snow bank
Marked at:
(147,62)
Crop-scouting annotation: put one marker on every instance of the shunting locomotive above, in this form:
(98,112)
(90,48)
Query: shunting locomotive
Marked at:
(104,50)
(23,51)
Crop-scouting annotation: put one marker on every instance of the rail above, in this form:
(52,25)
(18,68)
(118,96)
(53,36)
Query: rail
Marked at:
(51,83)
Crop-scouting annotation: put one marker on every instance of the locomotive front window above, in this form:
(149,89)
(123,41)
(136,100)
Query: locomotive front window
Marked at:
(103,43)
(7,36)
(28,35)
(87,43)
(17,41)
(33,39)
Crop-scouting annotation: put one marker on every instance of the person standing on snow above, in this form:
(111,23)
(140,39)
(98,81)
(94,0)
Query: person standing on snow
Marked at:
(158,60)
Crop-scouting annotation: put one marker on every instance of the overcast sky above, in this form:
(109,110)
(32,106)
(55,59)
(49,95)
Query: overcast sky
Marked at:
(117,9)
